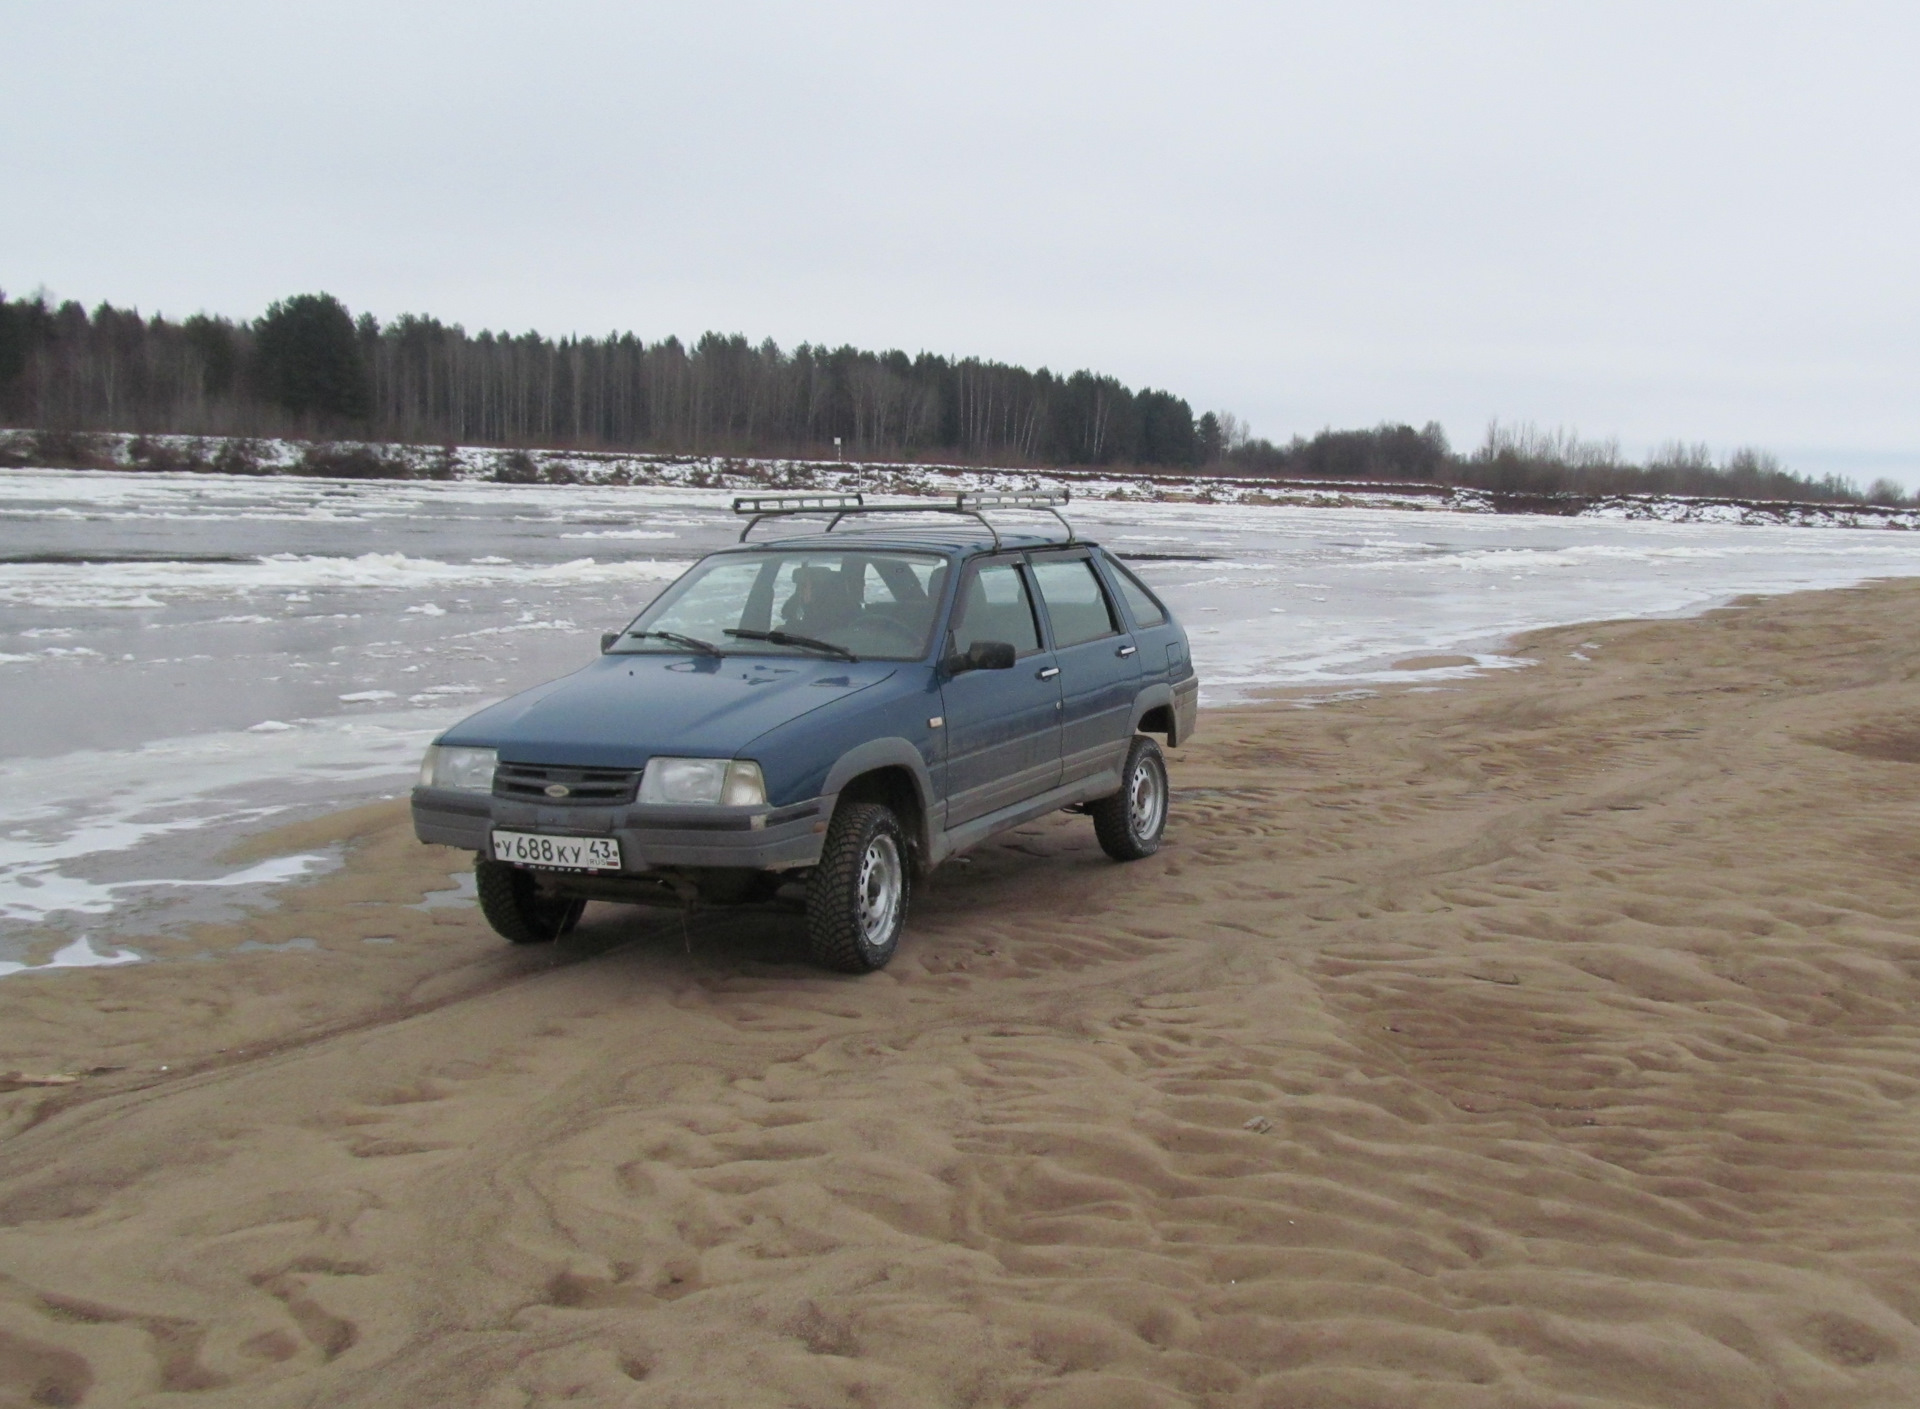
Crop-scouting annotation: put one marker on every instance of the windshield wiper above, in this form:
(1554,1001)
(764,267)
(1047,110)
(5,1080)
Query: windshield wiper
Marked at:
(692,643)
(787,638)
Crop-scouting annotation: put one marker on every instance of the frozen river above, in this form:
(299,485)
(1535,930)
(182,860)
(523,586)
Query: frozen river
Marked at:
(183,658)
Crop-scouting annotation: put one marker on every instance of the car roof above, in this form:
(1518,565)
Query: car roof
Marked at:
(957,540)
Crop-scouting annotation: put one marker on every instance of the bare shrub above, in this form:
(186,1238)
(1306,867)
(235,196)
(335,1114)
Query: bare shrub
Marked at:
(352,461)
(165,457)
(240,456)
(516,467)
(72,450)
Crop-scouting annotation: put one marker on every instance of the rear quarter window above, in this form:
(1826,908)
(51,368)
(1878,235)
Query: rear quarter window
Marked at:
(1145,607)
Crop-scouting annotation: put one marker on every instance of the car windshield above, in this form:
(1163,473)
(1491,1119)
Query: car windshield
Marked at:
(874,605)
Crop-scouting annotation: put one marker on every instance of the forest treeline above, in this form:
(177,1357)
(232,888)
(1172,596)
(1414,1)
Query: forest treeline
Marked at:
(307,369)
(1526,462)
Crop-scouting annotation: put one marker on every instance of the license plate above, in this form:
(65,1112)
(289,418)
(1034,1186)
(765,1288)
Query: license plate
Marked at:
(557,853)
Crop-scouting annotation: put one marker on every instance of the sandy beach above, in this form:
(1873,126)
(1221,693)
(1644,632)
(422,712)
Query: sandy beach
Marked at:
(1543,1039)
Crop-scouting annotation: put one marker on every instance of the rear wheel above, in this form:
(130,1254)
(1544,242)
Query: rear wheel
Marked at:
(510,899)
(857,896)
(1132,821)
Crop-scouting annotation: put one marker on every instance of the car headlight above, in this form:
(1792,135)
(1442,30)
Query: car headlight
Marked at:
(467,770)
(730,782)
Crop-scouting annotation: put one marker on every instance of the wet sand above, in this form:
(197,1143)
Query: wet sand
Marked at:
(1548,1039)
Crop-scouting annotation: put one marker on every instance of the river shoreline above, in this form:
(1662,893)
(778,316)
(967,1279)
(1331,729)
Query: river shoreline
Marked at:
(382,460)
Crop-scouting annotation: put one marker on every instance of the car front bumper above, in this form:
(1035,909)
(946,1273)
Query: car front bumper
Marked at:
(651,838)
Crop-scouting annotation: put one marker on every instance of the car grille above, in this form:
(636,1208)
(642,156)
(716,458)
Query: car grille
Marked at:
(586,787)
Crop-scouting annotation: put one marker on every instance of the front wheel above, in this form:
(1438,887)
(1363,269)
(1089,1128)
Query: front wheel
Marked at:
(857,896)
(513,905)
(1131,822)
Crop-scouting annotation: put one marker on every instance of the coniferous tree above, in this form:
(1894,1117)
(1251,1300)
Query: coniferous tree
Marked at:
(212,341)
(23,324)
(1213,440)
(308,360)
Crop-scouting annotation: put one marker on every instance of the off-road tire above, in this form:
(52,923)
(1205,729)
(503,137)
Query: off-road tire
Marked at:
(513,905)
(857,896)
(1131,822)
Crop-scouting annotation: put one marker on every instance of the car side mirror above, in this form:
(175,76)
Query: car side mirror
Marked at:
(982,655)
(607,638)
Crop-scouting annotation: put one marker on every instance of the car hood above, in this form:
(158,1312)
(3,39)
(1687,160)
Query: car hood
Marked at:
(623,709)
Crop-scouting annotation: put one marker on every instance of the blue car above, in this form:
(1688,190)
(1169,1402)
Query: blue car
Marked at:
(825,719)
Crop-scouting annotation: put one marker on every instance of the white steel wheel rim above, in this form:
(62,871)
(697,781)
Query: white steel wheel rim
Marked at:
(878,894)
(1146,800)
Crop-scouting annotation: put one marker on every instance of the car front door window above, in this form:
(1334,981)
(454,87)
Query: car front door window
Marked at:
(1002,726)
(995,606)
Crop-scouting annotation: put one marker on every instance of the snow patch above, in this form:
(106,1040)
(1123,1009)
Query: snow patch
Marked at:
(80,954)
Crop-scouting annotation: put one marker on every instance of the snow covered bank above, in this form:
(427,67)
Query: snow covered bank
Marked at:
(481,464)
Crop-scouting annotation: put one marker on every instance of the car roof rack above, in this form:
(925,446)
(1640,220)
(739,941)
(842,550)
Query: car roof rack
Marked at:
(759,507)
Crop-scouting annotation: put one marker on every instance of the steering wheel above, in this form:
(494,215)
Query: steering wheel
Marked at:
(904,636)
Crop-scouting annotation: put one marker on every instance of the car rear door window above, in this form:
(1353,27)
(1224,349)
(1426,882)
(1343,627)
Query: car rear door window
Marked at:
(1076,604)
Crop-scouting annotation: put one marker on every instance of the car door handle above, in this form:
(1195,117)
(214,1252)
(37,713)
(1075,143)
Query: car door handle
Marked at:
(1049,672)
(1126,650)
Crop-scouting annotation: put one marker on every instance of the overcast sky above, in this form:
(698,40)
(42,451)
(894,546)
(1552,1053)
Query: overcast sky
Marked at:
(1644,221)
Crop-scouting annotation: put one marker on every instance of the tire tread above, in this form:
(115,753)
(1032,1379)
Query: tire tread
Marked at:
(833,933)
(1112,825)
(516,912)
